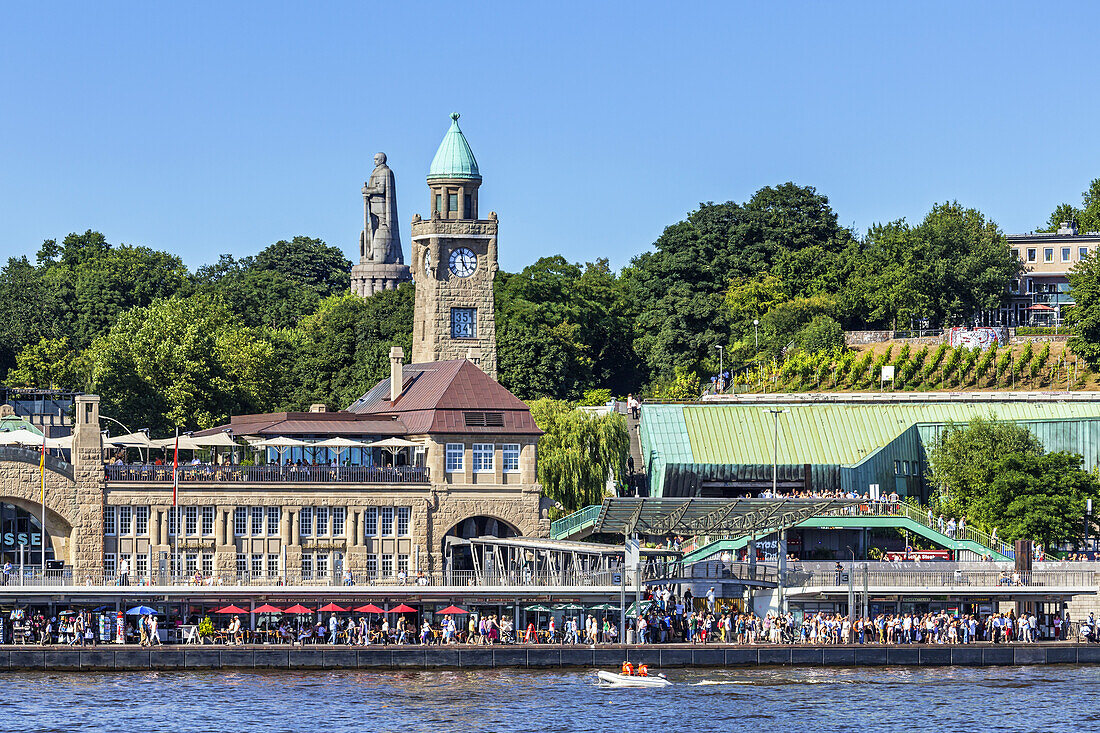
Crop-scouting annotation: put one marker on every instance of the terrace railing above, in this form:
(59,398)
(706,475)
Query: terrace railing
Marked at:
(209,473)
(933,578)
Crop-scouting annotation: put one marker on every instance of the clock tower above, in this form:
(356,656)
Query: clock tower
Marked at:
(454,260)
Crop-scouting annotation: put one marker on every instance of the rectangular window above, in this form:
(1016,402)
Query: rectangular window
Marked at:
(1031,254)
(387,521)
(305,521)
(469,207)
(1082,252)
(455,455)
(338,515)
(1065,254)
(1015,253)
(110,516)
(207,563)
(403,513)
(483,457)
(173,520)
(207,521)
(274,514)
(125,520)
(191,562)
(1014,286)
(257,566)
(240,521)
(1048,254)
(321,516)
(272,565)
(110,563)
(372,566)
(452,203)
(321,561)
(242,563)
(258,520)
(371,521)
(403,564)
(463,323)
(897,468)
(387,566)
(191,520)
(141,564)
(510,457)
(307,566)
(438,203)
(141,521)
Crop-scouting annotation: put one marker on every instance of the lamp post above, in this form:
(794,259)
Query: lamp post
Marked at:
(775,412)
(756,331)
(851,589)
(721,365)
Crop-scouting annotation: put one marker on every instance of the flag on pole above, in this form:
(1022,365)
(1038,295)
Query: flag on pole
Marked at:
(176,469)
(42,469)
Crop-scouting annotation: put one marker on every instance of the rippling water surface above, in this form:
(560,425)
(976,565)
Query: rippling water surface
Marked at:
(880,699)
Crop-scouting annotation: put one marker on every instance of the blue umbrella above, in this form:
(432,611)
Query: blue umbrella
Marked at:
(140,611)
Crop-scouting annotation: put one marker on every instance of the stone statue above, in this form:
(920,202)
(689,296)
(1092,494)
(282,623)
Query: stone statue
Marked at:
(380,240)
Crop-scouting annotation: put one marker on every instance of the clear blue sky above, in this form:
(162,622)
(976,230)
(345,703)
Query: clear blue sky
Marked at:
(203,128)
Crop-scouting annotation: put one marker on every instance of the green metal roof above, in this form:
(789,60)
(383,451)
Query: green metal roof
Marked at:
(11,423)
(454,159)
(838,434)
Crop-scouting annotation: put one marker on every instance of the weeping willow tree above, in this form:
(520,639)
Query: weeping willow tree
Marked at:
(578,452)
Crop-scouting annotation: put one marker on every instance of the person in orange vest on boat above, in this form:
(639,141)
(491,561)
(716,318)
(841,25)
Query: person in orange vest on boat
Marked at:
(643,670)
(628,669)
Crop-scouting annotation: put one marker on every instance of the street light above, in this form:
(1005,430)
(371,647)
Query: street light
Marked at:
(756,331)
(721,364)
(776,412)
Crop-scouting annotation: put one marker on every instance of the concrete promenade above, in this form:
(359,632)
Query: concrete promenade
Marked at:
(665,656)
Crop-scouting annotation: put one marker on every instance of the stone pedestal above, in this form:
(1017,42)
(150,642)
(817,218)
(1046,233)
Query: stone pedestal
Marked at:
(368,278)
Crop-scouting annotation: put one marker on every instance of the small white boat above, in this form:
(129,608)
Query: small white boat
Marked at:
(631,680)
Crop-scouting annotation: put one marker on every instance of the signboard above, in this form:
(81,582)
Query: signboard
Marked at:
(922,555)
(888,373)
(633,552)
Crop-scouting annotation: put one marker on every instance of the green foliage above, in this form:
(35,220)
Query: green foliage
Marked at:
(307,262)
(1038,497)
(985,362)
(578,452)
(683,387)
(1041,330)
(1087,216)
(50,363)
(180,362)
(1020,368)
(821,335)
(1083,319)
(1003,363)
(962,457)
(562,328)
(595,397)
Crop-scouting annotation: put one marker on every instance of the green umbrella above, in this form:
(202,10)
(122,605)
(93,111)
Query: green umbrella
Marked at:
(537,608)
(605,607)
(633,610)
(568,607)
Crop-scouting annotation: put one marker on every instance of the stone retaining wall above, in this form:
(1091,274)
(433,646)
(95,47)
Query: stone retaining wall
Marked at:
(109,657)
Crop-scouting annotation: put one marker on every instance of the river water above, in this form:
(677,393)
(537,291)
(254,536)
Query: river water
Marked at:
(771,699)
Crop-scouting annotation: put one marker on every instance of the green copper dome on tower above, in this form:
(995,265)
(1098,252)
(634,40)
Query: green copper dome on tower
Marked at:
(454,159)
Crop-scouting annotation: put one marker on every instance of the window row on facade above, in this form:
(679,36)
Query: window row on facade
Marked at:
(483,457)
(321,564)
(258,521)
(1031,254)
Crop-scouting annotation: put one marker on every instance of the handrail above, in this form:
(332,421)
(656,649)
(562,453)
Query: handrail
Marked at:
(268,473)
(931,577)
(565,526)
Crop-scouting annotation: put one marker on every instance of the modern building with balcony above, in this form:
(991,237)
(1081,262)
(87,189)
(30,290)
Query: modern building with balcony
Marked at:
(1041,293)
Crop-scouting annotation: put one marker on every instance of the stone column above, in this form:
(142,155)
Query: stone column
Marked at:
(164,525)
(284,527)
(351,527)
(445,202)
(219,526)
(462,213)
(295,528)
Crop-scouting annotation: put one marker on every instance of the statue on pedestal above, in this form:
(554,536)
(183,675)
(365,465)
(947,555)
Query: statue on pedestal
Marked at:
(381,261)
(380,240)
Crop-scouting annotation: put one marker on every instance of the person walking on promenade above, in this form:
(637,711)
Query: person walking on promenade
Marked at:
(333,628)
(154,634)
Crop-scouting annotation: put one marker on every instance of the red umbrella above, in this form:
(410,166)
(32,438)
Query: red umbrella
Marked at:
(298,608)
(231,609)
(268,608)
(450,610)
(402,609)
(369,608)
(331,608)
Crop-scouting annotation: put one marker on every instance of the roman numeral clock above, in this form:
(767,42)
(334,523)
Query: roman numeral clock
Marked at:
(454,263)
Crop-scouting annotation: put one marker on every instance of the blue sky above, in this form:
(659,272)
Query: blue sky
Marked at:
(203,128)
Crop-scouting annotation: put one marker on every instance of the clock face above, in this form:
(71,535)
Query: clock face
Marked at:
(463,262)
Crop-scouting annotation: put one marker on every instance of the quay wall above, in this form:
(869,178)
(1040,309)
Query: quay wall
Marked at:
(106,657)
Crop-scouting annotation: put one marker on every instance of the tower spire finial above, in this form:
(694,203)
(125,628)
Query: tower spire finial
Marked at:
(455,116)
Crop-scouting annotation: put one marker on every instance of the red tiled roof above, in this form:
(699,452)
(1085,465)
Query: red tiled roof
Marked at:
(437,395)
(311,423)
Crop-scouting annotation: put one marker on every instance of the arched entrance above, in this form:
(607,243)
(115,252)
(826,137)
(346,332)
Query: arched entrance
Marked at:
(20,528)
(458,557)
